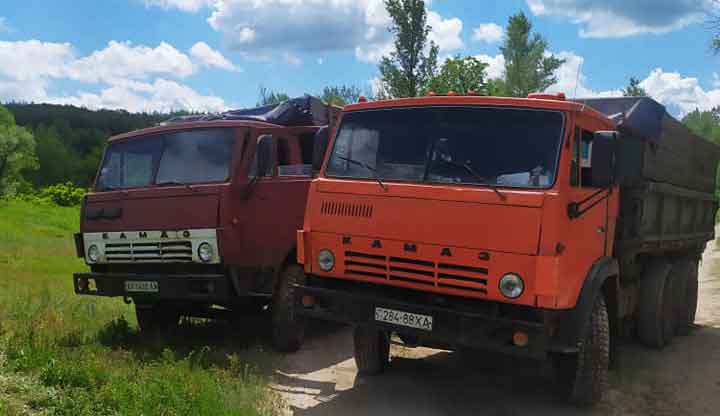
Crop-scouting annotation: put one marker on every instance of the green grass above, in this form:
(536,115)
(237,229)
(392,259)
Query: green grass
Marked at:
(63,354)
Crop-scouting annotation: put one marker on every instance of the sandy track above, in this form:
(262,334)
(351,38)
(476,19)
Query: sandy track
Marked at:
(684,379)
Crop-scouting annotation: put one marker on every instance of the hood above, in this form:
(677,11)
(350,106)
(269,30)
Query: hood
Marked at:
(171,208)
(452,216)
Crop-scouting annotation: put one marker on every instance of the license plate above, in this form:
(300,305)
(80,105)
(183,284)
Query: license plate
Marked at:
(139,286)
(412,320)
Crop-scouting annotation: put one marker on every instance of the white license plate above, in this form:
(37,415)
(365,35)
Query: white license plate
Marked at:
(412,320)
(140,286)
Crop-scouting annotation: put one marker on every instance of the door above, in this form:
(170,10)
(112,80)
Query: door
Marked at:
(587,236)
(274,207)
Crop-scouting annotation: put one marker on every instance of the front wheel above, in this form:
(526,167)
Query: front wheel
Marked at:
(583,376)
(372,350)
(288,328)
(156,317)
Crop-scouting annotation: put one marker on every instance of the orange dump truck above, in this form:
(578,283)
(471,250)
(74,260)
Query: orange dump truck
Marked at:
(539,227)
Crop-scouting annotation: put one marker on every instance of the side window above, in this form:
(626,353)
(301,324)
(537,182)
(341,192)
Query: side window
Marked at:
(580,166)
(264,140)
(295,155)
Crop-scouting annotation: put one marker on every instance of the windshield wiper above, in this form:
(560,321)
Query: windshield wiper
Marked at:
(368,167)
(174,183)
(483,180)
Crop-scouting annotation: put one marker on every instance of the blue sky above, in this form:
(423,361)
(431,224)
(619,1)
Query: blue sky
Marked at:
(209,55)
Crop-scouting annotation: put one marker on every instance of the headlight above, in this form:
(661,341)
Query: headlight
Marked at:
(512,286)
(205,252)
(326,260)
(93,253)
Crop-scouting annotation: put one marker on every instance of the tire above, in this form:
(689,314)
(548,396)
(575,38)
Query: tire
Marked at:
(158,317)
(655,314)
(688,307)
(582,377)
(287,327)
(372,350)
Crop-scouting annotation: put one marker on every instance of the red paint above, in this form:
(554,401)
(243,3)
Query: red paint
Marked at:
(521,232)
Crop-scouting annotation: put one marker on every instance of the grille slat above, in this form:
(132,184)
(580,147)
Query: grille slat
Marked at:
(458,277)
(346,209)
(160,251)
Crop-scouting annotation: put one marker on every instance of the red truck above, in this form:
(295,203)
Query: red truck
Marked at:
(202,212)
(539,226)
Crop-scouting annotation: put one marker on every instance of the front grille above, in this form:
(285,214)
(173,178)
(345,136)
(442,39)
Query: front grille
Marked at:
(346,209)
(166,251)
(417,271)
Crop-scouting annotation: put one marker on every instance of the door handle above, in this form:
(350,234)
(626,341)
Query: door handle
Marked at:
(601,229)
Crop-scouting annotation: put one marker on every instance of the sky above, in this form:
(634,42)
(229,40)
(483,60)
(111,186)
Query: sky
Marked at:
(212,55)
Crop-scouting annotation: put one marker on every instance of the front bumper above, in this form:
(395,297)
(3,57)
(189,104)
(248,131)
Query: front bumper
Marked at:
(169,287)
(451,327)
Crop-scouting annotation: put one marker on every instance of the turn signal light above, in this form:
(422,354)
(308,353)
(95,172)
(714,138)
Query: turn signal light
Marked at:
(521,339)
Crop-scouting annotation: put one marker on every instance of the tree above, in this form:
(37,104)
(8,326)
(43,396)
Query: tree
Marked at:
(269,97)
(528,67)
(705,124)
(410,67)
(17,152)
(634,89)
(341,94)
(459,74)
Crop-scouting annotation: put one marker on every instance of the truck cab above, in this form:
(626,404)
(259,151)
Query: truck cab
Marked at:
(201,212)
(481,222)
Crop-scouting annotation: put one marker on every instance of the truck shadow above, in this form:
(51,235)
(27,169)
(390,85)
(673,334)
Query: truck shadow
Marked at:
(430,382)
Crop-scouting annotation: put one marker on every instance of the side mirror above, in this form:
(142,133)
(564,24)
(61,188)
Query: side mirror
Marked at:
(265,155)
(603,158)
(320,144)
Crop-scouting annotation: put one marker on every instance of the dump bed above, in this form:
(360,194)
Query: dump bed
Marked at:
(667,177)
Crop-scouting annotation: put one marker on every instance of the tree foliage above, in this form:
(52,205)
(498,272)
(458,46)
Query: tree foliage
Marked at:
(406,72)
(270,97)
(528,66)
(634,89)
(459,74)
(705,124)
(17,152)
(341,94)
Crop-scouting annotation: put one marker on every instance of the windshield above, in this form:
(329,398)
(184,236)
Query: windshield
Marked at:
(185,157)
(479,146)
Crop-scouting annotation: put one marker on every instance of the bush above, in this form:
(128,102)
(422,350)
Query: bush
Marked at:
(63,194)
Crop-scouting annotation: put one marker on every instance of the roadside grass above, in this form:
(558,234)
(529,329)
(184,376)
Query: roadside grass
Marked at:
(63,354)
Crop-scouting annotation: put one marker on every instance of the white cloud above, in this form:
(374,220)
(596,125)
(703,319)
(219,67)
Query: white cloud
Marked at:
(4,27)
(162,96)
(488,32)
(209,57)
(373,53)
(620,18)
(126,75)
(184,5)
(679,94)
(496,65)
(124,60)
(445,32)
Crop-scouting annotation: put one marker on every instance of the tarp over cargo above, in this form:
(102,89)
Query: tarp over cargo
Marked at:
(301,111)
(655,147)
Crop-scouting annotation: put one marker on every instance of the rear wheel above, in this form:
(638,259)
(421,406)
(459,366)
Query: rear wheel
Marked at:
(685,312)
(583,376)
(156,317)
(372,350)
(655,314)
(288,328)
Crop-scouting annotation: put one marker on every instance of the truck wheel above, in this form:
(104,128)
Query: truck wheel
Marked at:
(288,328)
(583,376)
(372,350)
(156,317)
(689,300)
(655,314)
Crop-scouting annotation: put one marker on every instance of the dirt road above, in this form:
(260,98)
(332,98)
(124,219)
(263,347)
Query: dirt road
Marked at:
(684,379)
